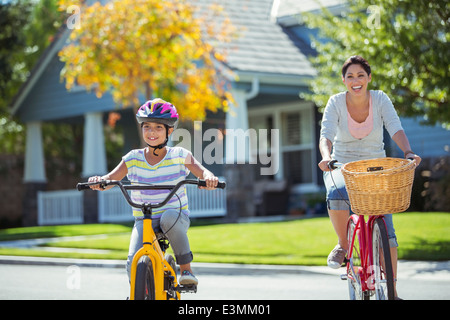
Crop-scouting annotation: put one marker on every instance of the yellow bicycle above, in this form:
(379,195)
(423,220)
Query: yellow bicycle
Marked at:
(153,272)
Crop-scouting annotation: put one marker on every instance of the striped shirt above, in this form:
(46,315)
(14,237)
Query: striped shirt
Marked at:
(169,171)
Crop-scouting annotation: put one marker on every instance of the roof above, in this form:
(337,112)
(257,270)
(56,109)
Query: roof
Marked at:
(262,45)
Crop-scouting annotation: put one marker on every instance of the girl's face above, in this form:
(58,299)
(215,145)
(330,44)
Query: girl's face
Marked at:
(154,133)
(356,80)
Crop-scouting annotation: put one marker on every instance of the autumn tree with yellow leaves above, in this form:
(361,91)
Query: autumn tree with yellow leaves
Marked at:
(149,48)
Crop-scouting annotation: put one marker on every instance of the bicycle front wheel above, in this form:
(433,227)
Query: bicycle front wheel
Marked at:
(382,277)
(145,281)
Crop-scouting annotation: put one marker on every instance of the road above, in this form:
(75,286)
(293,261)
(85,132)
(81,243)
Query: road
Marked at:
(423,281)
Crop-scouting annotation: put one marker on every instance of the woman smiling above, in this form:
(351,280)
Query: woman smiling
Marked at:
(352,129)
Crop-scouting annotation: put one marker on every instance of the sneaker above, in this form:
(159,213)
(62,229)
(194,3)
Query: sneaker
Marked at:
(188,278)
(336,257)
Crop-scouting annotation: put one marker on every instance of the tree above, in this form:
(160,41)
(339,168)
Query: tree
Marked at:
(405,41)
(26,28)
(150,47)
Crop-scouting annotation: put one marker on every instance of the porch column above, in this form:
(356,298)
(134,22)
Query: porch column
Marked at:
(94,162)
(238,170)
(34,172)
(236,120)
(94,152)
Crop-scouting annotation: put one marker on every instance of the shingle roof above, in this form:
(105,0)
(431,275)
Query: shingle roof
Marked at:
(262,46)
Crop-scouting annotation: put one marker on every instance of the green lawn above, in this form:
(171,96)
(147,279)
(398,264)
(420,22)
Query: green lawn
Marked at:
(422,236)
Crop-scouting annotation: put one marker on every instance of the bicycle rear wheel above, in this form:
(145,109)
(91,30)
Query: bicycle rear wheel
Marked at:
(145,281)
(354,268)
(382,278)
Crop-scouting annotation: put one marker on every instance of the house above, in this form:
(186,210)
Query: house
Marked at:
(268,68)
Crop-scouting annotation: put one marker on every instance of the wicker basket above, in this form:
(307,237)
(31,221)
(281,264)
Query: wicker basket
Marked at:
(379,186)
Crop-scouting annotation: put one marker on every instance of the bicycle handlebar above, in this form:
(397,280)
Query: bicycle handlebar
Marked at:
(334,164)
(174,188)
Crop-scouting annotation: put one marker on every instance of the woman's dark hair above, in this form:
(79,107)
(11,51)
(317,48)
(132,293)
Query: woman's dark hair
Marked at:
(356,60)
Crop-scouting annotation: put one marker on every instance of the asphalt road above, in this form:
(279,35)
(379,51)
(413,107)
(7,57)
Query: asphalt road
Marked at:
(75,281)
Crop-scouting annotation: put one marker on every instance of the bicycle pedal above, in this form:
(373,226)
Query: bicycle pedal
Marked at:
(190,288)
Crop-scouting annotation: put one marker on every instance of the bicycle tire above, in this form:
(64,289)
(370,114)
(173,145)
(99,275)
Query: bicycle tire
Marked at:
(354,266)
(145,280)
(383,277)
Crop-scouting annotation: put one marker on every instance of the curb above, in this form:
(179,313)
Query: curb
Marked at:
(427,270)
(202,267)
(44,261)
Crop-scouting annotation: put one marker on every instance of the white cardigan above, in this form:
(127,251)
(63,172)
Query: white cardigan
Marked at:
(346,148)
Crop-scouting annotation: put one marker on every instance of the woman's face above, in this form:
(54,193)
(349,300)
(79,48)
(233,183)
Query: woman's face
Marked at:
(356,80)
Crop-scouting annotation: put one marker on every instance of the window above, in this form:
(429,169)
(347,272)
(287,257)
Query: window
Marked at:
(263,143)
(297,135)
(297,146)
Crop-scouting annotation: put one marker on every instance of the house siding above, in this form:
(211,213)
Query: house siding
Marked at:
(426,141)
(49,100)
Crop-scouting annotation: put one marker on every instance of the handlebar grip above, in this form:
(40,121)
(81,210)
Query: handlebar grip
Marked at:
(82,186)
(220,184)
(86,185)
(331,164)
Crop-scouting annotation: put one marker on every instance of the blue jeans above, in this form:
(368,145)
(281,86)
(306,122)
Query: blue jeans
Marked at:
(175,225)
(337,199)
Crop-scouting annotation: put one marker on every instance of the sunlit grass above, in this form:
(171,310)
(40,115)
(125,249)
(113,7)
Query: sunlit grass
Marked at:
(422,236)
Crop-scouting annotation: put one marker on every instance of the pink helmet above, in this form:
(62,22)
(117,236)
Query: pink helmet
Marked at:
(158,110)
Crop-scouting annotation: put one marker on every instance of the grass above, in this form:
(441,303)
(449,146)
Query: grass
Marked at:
(422,236)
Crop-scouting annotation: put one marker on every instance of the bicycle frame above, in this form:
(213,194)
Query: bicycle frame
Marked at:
(150,244)
(367,272)
(364,233)
(152,249)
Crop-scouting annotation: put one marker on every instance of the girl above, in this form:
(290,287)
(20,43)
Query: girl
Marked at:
(160,164)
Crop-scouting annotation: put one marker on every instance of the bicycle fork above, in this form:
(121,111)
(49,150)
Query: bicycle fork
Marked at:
(151,248)
(360,236)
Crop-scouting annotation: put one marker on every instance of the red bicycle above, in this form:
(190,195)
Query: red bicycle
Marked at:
(375,187)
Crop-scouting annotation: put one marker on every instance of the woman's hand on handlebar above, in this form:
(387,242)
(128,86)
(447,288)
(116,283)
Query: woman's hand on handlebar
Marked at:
(323,165)
(414,157)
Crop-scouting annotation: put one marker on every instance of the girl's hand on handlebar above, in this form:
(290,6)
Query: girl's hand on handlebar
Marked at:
(96,186)
(211,182)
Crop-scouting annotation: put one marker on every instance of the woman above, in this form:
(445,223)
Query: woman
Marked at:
(352,129)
